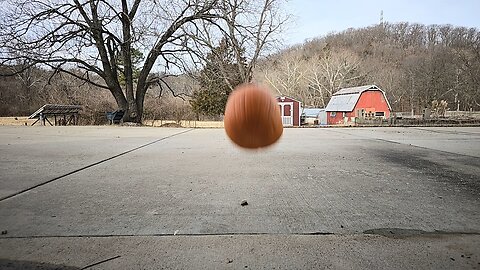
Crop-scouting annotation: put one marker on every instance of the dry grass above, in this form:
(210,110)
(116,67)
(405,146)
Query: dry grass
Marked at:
(16,121)
(21,120)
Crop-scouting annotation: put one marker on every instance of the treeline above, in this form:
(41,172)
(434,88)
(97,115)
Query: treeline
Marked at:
(22,94)
(415,64)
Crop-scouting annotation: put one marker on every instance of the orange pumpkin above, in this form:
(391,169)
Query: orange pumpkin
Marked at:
(252,117)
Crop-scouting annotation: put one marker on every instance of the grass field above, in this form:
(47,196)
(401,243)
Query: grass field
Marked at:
(21,120)
(16,121)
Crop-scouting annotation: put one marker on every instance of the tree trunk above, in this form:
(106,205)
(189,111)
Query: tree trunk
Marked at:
(139,105)
(119,98)
(133,110)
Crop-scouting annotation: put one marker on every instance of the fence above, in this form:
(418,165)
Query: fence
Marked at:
(460,114)
(184,123)
(448,114)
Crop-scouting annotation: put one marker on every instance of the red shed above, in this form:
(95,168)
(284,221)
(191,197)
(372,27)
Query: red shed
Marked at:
(349,104)
(290,109)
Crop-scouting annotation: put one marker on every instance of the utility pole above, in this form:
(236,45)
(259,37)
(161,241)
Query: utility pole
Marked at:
(457,101)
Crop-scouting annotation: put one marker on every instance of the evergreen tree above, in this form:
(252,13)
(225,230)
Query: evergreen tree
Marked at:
(218,78)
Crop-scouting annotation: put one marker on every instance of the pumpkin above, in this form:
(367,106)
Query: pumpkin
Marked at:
(252,117)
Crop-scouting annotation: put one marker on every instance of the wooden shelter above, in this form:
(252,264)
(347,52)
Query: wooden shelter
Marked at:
(62,114)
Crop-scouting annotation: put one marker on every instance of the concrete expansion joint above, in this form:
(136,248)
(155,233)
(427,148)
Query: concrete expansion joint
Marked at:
(386,232)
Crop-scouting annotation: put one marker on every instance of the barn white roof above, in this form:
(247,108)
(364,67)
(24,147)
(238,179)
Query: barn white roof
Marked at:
(342,103)
(345,99)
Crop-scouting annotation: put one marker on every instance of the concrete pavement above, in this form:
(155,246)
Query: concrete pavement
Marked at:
(337,196)
(244,252)
(32,155)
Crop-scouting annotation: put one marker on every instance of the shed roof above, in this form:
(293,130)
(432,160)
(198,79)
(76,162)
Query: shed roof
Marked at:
(281,98)
(56,109)
(312,112)
(345,99)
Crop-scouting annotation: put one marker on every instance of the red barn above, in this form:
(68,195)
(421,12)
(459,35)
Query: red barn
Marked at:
(290,109)
(362,102)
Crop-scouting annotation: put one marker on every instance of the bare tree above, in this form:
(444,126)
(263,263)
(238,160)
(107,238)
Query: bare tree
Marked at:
(98,37)
(287,75)
(312,74)
(29,78)
(250,27)
(332,71)
(328,73)
(253,28)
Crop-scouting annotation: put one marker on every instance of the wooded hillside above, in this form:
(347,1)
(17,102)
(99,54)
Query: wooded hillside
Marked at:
(415,64)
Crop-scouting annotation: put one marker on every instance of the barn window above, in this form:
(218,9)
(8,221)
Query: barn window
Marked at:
(344,114)
(380,114)
(333,114)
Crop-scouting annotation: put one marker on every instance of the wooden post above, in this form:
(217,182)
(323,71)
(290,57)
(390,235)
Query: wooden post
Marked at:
(71,120)
(35,121)
(48,121)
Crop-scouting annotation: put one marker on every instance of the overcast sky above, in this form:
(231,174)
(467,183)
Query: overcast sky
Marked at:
(313,18)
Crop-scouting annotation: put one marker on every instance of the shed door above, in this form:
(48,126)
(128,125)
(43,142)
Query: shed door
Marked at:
(286,108)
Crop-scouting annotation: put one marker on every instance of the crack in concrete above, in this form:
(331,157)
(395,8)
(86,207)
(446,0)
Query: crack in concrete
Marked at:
(100,262)
(91,165)
(388,232)
(404,233)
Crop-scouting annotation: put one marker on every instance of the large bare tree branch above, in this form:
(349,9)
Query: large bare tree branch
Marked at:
(99,37)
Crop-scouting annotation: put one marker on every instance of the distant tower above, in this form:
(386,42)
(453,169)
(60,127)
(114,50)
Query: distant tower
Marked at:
(381,17)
